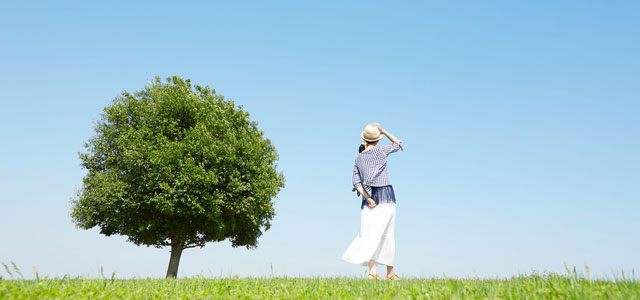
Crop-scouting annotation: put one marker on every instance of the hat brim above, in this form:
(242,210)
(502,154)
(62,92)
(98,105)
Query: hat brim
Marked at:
(371,140)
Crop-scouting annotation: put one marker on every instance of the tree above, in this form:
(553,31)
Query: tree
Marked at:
(177,165)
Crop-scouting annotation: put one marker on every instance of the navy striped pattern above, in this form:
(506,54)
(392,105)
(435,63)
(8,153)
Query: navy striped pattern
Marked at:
(380,194)
(370,168)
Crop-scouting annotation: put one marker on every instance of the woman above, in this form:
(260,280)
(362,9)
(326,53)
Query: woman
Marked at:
(375,242)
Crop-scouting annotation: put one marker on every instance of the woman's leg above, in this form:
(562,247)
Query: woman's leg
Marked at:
(372,267)
(389,270)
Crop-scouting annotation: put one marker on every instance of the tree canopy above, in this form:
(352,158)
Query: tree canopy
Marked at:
(177,165)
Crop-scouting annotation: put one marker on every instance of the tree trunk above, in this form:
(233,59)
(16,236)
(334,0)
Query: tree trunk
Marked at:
(176,251)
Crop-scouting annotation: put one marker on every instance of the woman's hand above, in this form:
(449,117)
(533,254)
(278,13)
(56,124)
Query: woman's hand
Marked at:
(379,128)
(372,203)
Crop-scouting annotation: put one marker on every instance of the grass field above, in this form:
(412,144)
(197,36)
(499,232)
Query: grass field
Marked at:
(533,286)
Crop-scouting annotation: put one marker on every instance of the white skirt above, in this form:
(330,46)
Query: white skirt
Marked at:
(375,241)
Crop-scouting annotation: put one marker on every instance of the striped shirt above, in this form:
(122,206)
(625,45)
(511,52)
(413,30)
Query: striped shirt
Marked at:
(370,168)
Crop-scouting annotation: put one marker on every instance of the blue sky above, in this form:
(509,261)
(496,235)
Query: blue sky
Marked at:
(520,124)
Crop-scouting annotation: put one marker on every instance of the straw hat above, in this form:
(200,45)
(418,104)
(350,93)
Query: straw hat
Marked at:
(371,133)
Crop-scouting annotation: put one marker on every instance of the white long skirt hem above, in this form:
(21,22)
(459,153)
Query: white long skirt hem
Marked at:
(375,241)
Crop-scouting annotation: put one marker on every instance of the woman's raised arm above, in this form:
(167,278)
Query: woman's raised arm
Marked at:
(392,138)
